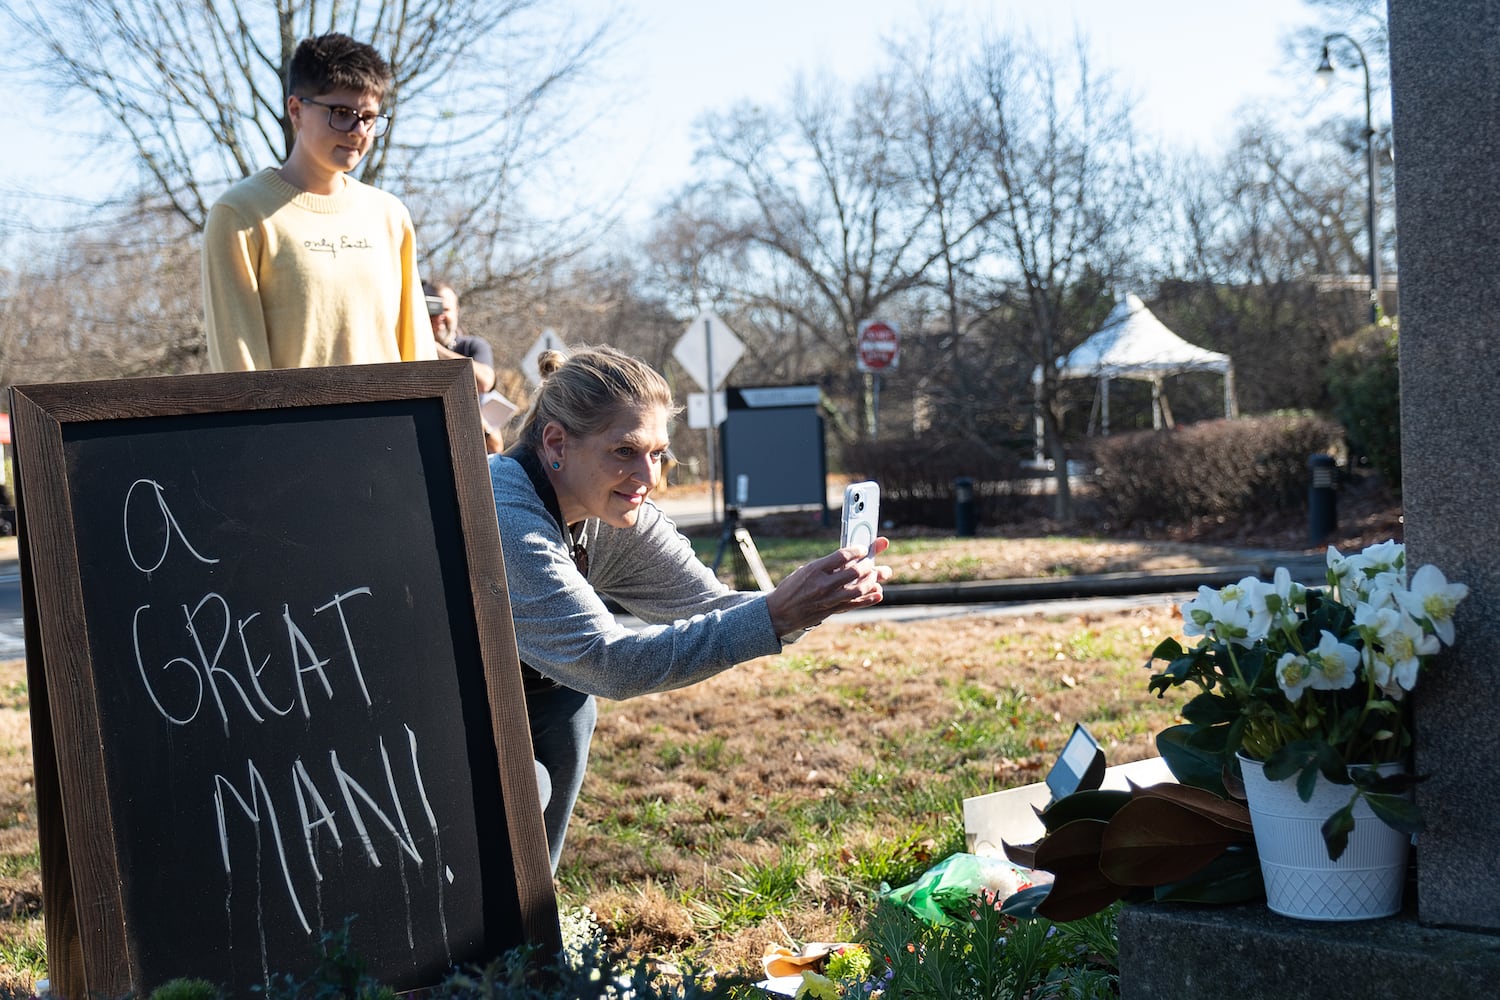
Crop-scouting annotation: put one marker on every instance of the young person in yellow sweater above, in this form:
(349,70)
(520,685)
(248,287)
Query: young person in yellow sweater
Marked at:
(303,265)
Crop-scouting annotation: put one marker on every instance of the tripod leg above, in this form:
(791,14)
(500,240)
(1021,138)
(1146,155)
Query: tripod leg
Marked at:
(726,536)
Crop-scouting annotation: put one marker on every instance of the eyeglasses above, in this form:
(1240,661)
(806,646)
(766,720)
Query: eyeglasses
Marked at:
(342,119)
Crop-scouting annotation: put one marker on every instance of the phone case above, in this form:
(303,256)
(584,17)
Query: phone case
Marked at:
(861,519)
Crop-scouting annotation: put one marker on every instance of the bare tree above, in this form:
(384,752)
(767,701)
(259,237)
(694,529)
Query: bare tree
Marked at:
(1263,235)
(1070,189)
(481,104)
(197,91)
(106,302)
(819,214)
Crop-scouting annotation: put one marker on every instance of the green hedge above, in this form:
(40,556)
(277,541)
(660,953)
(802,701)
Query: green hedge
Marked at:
(1366,390)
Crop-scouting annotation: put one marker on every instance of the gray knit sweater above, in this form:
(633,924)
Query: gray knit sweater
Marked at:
(698,627)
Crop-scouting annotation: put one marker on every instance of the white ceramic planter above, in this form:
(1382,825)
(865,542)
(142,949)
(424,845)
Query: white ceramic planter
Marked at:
(1364,883)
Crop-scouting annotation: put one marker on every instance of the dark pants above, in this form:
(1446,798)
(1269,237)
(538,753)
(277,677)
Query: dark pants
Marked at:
(562,725)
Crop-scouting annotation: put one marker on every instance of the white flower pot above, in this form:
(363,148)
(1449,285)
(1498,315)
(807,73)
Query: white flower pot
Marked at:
(1364,883)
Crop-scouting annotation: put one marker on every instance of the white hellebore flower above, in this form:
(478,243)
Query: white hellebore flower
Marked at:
(1293,674)
(1224,614)
(1395,655)
(1333,663)
(1276,603)
(1432,599)
(1330,667)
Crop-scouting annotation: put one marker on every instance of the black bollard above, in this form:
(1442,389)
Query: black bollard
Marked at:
(965,517)
(1322,498)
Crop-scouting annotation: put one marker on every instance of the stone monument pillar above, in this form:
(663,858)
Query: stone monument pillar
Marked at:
(1445,78)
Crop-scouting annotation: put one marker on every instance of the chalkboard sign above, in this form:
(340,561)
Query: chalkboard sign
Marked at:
(274,679)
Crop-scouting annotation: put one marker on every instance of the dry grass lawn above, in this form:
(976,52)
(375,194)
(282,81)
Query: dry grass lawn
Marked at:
(839,763)
(763,806)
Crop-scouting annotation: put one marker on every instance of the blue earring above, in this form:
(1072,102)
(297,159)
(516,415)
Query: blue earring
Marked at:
(557,465)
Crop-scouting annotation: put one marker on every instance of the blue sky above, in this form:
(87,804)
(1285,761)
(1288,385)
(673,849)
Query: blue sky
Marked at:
(1195,66)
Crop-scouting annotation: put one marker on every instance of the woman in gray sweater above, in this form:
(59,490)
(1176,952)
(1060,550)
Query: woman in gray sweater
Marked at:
(576,526)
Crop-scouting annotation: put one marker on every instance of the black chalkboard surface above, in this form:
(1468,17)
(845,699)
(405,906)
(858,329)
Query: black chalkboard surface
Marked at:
(274,680)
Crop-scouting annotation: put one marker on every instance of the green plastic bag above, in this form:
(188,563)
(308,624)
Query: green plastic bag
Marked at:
(945,890)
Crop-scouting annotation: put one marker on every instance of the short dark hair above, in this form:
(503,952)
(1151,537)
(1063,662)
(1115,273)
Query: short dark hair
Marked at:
(332,62)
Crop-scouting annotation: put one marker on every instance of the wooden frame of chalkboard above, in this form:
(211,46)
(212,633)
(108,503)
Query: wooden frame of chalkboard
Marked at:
(275,694)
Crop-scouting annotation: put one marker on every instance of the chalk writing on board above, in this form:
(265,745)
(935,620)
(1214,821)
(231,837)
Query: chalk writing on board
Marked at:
(169,527)
(241,667)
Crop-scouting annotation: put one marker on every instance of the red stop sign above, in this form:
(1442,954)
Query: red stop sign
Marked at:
(879,346)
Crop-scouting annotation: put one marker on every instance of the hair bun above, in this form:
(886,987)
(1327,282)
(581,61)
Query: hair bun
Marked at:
(550,361)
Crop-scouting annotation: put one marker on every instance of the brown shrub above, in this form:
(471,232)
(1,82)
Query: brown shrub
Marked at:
(917,475)
(1220,467)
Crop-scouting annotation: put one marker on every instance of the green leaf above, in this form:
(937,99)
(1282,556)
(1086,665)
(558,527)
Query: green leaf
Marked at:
(1307,782)
(1167,649)
(1284,763)
(1232,877)
(1332,764)
(1209,709)
(1396,811)
(1188,764)
(1336,829)
(1307,758)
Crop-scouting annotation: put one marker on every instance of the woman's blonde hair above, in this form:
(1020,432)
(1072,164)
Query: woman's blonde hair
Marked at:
(585,392)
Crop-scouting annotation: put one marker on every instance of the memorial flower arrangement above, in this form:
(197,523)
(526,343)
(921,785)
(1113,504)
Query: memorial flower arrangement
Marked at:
(1314,681)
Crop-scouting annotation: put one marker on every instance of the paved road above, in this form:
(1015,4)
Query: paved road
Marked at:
(12,640)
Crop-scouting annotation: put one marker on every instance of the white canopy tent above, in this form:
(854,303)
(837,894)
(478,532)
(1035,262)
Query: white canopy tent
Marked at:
(1133,343)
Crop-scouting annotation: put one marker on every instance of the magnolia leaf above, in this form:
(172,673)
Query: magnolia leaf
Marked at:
(1079,888)
(1073,846)
(1234,783)
(1021,854)
(1232,877)
(1396,811)
(1336,830)
(1022,905)
(1096,803)
(1226,812)
(1071,899)
(1189,764)
(1154,840)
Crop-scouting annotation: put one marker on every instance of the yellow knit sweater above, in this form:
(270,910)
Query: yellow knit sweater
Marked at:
(298,280)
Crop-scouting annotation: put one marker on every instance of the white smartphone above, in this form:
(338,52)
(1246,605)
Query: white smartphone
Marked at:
(861,521)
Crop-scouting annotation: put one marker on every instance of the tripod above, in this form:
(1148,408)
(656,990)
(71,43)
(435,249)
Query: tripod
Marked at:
(749,572)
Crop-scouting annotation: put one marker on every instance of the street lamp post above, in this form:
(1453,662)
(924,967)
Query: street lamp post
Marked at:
(1325,73)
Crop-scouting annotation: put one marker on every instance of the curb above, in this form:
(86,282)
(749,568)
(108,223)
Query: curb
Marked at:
(1306,570)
